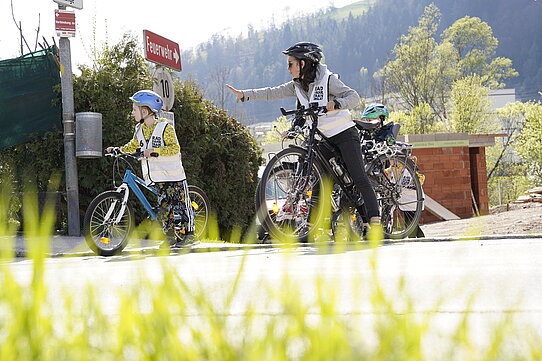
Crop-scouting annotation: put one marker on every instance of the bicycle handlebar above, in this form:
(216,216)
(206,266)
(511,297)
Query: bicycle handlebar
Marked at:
(136,155)
(313,109)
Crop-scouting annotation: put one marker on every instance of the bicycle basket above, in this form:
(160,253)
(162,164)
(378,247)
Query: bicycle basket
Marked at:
(387,133)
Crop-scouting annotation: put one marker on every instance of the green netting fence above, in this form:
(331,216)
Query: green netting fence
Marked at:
(29,102)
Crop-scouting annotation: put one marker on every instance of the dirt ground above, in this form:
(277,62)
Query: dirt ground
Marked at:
(521,218)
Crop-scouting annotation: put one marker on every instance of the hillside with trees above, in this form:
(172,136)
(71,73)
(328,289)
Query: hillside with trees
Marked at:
(357,44)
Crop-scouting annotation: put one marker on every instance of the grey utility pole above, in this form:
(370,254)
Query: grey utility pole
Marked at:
(68,122)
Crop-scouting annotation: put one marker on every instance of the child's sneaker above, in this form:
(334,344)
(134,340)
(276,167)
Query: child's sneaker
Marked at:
(188,240)
(170,240)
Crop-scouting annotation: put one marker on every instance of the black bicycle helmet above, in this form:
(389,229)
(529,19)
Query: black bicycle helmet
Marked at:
(305,50)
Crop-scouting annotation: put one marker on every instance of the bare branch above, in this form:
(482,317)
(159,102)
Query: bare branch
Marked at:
(37,32)
(20,27)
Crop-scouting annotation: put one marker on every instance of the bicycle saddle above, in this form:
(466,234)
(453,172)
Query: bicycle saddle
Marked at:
(365,125)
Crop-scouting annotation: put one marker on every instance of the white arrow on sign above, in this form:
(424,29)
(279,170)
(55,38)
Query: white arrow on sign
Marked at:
(163,85)
(176,56)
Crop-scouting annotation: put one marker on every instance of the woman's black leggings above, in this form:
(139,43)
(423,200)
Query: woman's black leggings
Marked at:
(348,143)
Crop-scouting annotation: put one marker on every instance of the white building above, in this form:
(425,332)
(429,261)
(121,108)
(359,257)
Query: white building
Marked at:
(258,130)
(500,97)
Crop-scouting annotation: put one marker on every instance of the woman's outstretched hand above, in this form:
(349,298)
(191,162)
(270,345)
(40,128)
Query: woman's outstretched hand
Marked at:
(238,94)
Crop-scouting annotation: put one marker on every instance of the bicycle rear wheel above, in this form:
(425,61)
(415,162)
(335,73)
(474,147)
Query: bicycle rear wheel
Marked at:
(103,234)
(286,197)
(399,194)
(201,208)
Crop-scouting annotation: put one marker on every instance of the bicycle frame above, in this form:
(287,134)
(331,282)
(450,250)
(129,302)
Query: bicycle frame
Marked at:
(315,154)
(131,181)
(313,149)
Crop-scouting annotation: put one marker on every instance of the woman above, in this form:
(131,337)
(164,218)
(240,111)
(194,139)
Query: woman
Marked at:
(313,82)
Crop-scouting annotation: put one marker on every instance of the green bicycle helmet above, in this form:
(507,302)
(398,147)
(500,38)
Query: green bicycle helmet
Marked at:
(375,111)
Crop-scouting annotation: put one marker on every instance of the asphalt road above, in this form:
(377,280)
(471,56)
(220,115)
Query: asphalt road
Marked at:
(486,279)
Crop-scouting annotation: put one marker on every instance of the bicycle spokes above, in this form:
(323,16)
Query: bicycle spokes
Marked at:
(399,194)
(288,193)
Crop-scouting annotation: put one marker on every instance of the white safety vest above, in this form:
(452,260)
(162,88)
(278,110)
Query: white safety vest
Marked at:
(330,123)
(164,168)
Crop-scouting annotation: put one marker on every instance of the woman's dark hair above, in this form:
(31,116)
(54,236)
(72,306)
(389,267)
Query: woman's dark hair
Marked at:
(307,73)
(311,54)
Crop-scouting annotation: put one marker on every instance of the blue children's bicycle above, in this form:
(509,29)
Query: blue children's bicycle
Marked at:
(109,220)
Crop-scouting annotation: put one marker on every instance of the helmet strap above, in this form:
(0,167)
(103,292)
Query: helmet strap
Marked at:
(143,118)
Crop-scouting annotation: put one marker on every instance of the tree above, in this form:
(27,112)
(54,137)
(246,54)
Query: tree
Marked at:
(475,46)
(530,139)
(118,72)
(515,162)
(218,79)
(425,72)
(419,71)
(420,120)
(280,125)
(219,153)
(469,106)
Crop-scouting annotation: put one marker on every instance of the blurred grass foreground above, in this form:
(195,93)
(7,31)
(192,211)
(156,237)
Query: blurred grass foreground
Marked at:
(170,320)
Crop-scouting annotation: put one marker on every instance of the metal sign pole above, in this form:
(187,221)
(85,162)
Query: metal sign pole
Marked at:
(68,116)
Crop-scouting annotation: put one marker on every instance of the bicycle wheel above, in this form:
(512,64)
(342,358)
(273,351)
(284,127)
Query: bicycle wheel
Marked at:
(103,234)
(201,208)
(286,197)
(347,225)
(399,194)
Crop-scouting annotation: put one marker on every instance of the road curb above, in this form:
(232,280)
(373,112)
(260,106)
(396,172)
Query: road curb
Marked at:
(222,247)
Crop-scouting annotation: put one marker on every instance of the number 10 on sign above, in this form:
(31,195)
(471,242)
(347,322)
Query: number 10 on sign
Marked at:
(163,85)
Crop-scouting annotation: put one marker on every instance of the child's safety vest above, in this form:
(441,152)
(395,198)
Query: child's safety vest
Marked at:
(330,123)
(164,168)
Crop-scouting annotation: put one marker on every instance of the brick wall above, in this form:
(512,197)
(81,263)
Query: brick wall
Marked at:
(455,170)
(447,179)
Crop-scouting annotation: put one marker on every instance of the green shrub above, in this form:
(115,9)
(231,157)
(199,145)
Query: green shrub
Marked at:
(218,152)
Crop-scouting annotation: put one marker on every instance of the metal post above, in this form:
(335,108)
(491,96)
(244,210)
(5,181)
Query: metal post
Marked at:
(500,192)
(68,116)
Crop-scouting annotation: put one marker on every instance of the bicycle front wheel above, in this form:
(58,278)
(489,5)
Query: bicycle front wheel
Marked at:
(201,208)
(399,193)
(107,231)
(288,194)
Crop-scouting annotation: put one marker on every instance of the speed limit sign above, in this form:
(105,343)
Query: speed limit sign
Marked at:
(163,85)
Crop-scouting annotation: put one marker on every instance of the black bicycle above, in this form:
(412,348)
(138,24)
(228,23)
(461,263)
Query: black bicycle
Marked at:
(293,182)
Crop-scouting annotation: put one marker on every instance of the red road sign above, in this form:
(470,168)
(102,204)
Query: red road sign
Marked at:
(161,50)
(65,23)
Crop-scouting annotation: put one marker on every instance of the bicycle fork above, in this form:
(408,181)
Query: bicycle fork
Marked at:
(125,191)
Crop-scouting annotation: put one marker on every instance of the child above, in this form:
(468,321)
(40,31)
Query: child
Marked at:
(162,165)
(379,112)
